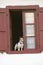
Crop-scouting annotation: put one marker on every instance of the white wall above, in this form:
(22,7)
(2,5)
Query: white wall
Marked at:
(21,59)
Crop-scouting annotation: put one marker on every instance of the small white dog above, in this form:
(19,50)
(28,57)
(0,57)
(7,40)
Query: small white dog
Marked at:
(20,45)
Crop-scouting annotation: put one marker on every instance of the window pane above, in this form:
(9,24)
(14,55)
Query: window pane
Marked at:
(29,17)
(30,30)
(30,42)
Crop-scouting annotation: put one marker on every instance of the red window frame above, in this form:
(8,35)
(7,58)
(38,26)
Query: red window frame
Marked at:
(24,26)
(36,31)
(24,8)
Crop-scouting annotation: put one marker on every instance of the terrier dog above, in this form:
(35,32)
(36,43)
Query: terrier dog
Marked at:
(19,45)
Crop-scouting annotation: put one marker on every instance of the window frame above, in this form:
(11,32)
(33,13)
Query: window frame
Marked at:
(23,8)
(36,36)
(24,24)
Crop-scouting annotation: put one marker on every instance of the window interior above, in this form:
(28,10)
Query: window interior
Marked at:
(16,26)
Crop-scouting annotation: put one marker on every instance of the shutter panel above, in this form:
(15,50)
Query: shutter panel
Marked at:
(41,28)
(3,33)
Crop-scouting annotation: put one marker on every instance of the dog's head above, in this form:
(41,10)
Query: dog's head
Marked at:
(21,40)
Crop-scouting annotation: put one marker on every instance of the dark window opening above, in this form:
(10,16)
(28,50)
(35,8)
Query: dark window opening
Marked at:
(16,26)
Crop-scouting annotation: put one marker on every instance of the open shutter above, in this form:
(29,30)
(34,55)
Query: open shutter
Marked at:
(3,35)
(41,28)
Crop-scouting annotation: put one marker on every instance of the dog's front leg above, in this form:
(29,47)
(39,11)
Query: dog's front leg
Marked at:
(18,49)
(21,49)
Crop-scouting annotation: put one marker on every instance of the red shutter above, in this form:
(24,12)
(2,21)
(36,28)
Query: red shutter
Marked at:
(3,33)
(41,28)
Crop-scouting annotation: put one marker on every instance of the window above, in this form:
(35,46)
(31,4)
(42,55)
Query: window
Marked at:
(23,31)
(29,17)
(30,41)
(30,30)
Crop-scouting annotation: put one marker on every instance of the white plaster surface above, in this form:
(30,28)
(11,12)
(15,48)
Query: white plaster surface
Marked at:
(21,59)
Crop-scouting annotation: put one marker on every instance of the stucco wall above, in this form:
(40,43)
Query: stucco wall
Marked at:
(21,59)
